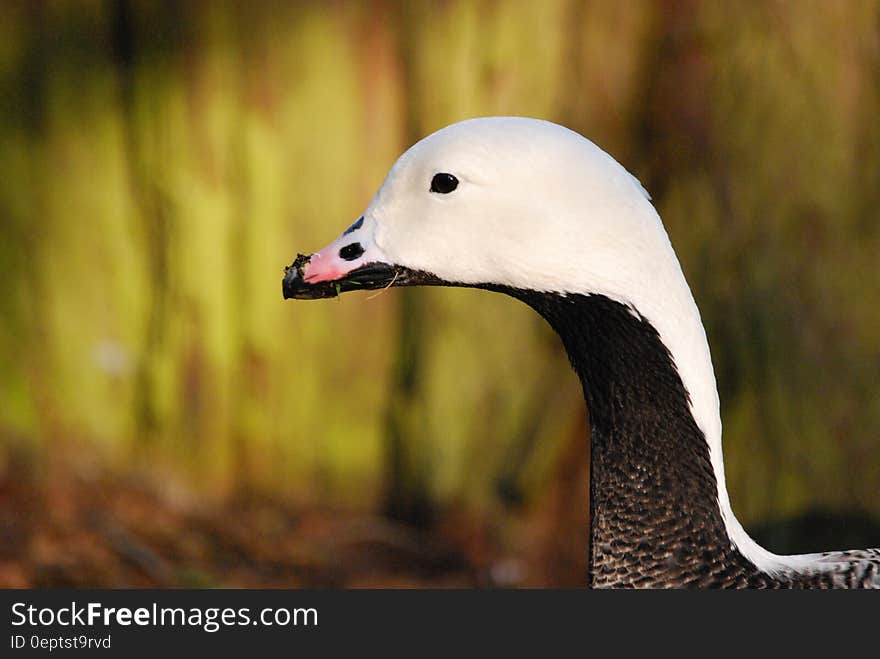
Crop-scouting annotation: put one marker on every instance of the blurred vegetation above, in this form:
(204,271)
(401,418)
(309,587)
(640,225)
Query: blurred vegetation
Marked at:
(161,162)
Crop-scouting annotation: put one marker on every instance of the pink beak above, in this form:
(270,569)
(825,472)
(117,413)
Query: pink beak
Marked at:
(327,265)
(350,251)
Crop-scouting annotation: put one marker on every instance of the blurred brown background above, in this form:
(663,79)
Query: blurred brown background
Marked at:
(165,419)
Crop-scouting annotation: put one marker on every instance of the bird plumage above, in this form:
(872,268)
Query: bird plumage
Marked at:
(536,211)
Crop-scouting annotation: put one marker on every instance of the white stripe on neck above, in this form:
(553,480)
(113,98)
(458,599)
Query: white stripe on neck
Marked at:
(675,316)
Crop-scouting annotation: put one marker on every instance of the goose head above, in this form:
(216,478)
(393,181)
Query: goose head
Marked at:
(504,201)
(520,204)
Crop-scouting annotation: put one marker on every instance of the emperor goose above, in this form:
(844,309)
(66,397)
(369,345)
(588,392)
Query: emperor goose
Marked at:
(533,210)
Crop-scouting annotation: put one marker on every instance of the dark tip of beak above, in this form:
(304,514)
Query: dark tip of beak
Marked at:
(367,277)
(293,286)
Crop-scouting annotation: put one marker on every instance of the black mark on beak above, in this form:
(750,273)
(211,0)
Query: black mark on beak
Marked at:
(351,252)
(354,227)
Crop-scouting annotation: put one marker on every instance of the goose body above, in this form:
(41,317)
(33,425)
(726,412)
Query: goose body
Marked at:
(538,212)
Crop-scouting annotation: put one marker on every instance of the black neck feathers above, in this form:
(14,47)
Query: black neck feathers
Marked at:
(655,520)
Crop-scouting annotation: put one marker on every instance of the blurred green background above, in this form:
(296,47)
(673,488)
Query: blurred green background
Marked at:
(166,419)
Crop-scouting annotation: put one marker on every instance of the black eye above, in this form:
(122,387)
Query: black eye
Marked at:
(443,183)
